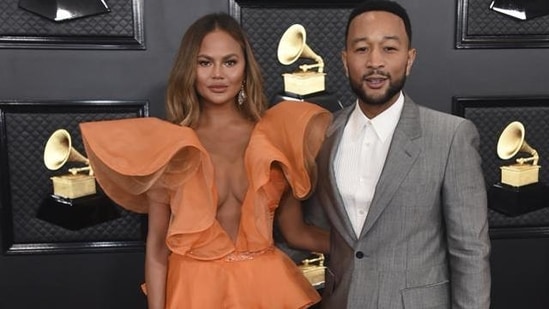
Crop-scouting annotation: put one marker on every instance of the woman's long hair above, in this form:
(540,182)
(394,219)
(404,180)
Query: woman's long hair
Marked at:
(182,102)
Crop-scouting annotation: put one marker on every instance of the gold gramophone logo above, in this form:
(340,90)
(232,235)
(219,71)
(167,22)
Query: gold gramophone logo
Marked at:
(79,181)
(314,270)
(293,46)
(525,169)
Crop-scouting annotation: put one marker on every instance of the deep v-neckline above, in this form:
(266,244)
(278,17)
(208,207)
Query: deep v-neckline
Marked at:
(237,240)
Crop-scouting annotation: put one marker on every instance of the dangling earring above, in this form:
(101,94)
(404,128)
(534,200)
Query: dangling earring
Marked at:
(241,96)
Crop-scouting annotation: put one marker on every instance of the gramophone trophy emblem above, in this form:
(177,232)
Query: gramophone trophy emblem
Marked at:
(57,152)
(519,190)
(314,270)
(75,202)
(291,47)
(525,170)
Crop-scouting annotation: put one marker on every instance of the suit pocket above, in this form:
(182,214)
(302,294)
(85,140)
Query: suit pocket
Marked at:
(433,296)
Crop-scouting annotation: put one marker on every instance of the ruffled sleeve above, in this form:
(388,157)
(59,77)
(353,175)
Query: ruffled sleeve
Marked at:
(139,158)
(293,132)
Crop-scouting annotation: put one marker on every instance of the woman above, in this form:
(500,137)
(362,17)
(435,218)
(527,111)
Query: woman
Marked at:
(212,178)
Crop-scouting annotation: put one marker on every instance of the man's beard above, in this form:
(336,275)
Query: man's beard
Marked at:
(394,88)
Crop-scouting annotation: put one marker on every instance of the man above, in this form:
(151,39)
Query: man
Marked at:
(401,185)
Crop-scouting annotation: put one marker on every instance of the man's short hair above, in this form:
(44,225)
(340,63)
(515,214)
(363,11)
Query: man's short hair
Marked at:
(381,5)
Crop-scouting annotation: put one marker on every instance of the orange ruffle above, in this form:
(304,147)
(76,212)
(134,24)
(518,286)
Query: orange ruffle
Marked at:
(147,158)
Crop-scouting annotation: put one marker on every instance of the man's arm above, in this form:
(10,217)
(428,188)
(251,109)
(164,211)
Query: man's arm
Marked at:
(466,217)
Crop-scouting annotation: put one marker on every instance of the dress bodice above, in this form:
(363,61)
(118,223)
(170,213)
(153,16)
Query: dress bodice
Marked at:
(141,159)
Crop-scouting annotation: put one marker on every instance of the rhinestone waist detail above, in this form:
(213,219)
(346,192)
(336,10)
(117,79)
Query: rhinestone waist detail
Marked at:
(237,256)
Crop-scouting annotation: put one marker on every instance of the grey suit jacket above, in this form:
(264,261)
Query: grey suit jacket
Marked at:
(425,240)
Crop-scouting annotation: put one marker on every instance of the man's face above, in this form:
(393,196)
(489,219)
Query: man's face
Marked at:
(377,58)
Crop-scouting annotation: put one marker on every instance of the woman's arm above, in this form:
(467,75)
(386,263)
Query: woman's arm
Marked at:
(297,233)
(156,256)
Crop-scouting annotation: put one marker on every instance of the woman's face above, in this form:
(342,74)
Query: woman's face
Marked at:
(219,69)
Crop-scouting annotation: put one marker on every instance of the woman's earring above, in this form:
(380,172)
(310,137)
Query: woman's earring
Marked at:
(241,96)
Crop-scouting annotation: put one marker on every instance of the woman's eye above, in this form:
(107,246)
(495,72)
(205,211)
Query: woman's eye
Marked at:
(230,63)
(203,63)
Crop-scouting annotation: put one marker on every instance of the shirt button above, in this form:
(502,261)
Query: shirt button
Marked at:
(359,254)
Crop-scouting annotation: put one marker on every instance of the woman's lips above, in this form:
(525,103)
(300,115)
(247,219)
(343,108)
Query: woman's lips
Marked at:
(217,88)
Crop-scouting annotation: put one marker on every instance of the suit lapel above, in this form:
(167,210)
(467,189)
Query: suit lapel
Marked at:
(403,152)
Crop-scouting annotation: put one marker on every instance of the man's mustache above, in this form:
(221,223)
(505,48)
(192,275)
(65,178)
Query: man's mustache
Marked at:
(377,73)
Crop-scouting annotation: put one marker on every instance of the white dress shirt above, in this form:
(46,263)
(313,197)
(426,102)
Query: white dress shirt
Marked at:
(360,159)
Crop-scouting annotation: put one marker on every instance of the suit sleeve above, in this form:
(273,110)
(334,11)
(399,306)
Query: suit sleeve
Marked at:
(465,212)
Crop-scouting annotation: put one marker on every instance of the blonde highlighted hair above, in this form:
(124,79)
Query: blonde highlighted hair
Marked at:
(182,101)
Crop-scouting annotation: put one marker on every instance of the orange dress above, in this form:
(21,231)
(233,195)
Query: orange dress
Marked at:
(146,158)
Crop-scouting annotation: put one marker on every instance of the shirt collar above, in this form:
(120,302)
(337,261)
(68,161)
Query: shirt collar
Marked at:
(383,124)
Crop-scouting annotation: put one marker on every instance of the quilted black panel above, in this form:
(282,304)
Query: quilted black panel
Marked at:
(121,28)
(485,22)
(325,36)
(491,121)
(16,21)
(26,131)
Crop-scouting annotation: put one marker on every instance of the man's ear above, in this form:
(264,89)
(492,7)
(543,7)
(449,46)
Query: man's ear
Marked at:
(344,61)
(411,58)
